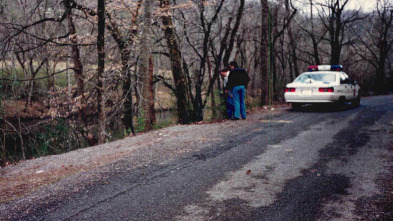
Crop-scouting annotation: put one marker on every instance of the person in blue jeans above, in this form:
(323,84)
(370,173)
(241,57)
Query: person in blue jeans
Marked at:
(237,83)
(227,93)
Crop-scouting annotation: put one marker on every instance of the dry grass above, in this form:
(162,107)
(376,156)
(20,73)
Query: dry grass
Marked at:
(13,108)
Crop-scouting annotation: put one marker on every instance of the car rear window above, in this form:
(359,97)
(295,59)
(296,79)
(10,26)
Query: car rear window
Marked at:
(322,77)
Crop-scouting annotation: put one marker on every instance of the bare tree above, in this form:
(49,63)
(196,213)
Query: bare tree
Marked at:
(203,56)
(197,37)
(279,26)
(375,42)
(314,34)
(292,43)
(226,44)
(146,69)
(203,19)
(336,21)
(176,62)
(264,52)
(124,36)
(101,69)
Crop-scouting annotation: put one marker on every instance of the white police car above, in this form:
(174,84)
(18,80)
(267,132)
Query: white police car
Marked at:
(322,84)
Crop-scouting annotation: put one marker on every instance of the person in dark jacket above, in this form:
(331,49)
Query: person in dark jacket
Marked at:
(237,82)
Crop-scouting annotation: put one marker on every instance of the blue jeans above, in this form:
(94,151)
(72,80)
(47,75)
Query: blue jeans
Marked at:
(230,108)
(239,94)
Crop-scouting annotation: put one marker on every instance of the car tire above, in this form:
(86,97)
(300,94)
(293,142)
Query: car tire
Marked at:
(356,101)
(296,106)
(341,101)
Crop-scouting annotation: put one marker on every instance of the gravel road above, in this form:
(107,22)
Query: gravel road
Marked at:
(279,164)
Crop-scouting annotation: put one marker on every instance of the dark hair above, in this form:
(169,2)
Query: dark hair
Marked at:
(224,69)
(234,64)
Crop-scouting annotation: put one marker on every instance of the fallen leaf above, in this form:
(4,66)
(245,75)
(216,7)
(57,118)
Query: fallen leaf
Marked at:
(248,172)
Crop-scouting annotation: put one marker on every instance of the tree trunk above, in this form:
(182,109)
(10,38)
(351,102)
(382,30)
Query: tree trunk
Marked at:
(316,53)
(384,48)
(22,145)
(273,80)
(176,61)
(231,43)
(213,98)
(335,53)
(292,43)
(264,53)
(152,114)
(31,85)
(314,41)
(78,66)
(127,118)
(145,65)
(101,70)
(198,105)
(335,31)
(379,87)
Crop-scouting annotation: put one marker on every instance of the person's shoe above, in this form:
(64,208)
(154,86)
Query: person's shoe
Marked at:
(244,118)
(235,118)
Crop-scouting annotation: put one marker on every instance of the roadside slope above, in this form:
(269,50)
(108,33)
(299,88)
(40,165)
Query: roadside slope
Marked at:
(49,179)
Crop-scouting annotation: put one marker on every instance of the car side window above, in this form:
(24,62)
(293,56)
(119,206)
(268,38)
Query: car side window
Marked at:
(344,79)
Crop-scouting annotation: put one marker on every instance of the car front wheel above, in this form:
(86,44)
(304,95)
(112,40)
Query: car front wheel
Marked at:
(356,101)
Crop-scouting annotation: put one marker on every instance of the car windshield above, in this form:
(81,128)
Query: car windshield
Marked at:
(321,77)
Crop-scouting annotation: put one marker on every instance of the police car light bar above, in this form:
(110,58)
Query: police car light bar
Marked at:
(313,68)
(336,68)
(325,68)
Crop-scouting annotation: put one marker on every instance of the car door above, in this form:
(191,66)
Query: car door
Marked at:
(345,86)
(351,87)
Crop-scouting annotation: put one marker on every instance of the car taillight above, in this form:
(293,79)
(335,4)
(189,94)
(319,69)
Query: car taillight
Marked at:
(326,89)
(290,89)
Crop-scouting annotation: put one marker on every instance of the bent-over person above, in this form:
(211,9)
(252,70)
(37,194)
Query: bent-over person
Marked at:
(237,83)
(227,93)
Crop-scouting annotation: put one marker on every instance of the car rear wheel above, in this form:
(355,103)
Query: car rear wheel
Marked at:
(341,101)
(296,106)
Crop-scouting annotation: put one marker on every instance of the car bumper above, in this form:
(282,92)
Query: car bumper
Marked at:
(296,98)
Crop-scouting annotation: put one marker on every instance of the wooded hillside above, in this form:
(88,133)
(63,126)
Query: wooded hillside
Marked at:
(75,73)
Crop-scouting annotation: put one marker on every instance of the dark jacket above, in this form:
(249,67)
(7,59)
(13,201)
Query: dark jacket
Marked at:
(237,77)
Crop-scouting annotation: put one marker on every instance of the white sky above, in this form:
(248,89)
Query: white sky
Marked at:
(365,5)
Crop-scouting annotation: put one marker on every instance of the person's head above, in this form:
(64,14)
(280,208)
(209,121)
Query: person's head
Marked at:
(224,71)
(233,64)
